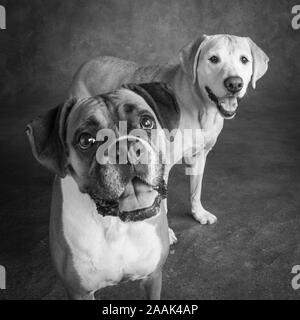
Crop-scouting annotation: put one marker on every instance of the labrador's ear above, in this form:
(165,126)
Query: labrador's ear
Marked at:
(260,62)
(46,135)
(162,101)
(189,56)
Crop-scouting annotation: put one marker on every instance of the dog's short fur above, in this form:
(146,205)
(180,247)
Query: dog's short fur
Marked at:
(107,223)
(213,72)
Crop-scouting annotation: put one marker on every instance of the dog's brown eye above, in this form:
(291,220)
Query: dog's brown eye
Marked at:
(86,141)
(244,60)
(214,59)
(147,123)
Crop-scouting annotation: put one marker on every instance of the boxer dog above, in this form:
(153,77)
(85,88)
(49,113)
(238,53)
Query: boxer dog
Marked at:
(212,74)
(108,223)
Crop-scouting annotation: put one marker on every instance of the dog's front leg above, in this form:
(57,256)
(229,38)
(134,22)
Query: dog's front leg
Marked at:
(196,170)
(152,285)
(172,236)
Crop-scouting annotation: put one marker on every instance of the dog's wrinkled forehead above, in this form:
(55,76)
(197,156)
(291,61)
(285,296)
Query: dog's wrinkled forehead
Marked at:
(105,111)
(125,102)
(126,96)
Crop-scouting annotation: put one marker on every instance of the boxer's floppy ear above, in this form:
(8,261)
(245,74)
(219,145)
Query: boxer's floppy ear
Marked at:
(260,62)
(47,135)
(162,101)
(189,56)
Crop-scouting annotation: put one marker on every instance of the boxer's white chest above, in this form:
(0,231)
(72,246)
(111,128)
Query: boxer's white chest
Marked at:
(106,251)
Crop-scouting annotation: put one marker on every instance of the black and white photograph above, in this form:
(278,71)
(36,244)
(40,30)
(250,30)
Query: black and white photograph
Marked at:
(150,150)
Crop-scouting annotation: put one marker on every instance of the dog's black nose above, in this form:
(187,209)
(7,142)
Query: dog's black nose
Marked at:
(234,84)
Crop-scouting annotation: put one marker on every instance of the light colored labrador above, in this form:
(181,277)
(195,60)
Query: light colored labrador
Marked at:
(211,75)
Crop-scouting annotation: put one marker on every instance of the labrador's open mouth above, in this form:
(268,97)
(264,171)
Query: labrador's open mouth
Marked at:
(138,202)
(227,106)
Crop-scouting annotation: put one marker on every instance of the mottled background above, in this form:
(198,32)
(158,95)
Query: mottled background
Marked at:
(46,41)
(252,178)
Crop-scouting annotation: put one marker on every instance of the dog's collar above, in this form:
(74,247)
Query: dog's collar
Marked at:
(112,208)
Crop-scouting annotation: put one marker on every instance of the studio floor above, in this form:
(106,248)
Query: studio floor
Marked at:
(252,184)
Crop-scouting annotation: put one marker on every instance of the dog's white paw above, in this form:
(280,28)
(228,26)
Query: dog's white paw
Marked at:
(204,217)
(172,237)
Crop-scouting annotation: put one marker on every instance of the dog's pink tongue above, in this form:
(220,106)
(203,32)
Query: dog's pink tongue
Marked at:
(137,195)
(229,104)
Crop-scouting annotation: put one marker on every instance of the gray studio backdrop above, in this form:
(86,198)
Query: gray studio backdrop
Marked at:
(252,178)
(46,41)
